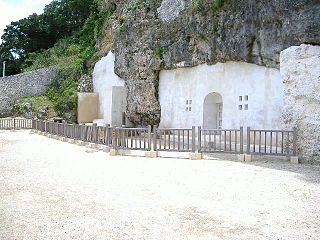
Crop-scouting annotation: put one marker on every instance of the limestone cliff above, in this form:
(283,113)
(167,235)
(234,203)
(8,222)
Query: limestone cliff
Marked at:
(147,36)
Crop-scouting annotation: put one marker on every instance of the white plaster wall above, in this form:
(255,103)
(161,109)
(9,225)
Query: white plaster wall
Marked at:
(104,79)
(232,79)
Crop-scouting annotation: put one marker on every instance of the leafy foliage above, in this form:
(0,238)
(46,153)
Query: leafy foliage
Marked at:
(35,102)
(64,35)
(36,33)
(217,4)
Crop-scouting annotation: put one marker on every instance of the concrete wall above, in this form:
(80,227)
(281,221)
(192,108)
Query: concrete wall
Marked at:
(300,70)
(231,80)
(112,101)
(88,104)
(25,84)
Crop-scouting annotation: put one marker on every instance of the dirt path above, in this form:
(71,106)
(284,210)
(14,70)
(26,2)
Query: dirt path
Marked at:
(56,190)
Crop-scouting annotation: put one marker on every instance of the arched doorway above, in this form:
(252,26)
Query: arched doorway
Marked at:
(212,111)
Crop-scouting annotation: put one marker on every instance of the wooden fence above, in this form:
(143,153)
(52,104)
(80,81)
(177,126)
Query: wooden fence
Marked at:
(195,139)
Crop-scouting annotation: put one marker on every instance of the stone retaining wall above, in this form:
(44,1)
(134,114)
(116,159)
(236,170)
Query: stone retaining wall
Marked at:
(25,84)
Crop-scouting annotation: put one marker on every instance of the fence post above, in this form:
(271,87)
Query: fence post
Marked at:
(248,140)
(14,124)
(193,139)
(107,134)
(294,141)
(95,132)
(154,147)
(241,140)
(199,139)
(149,137)
(65,129)
(113,137)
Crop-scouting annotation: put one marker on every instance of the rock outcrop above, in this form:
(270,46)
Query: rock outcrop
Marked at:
(149,36)
(300,70)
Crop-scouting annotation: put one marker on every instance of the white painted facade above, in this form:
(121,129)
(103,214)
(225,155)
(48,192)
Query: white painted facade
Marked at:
(111,90)
(247,95)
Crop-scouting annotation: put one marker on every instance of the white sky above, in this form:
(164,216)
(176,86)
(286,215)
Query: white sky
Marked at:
(13,10)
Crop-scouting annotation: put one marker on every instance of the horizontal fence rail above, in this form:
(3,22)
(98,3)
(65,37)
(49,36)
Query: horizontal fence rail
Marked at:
(271,142)
(15,124)
(237,141)
(220,140)
(131,138)
(174,139)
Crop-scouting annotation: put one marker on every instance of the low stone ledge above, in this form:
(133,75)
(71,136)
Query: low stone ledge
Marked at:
(294,159)
(195,156)
(105,148)
(98,146)
(248,157)
(173,154)
(72,141)
(241,157)
(79,142)
(131,152)
(151,154)
(91,145)
(114,152)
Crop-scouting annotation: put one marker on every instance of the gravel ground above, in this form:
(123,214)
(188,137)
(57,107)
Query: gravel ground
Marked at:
(56,190)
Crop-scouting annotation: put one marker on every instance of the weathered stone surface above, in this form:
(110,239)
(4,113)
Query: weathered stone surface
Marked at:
(85,84)
(167,34)
(25,84)
(170,9)
(301,75)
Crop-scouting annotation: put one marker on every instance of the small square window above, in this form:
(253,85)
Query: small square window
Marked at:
(246,107)
(240,107)
(190,109)
(246,97)
(187,102)
(190,101)
(240,98)
(186,109)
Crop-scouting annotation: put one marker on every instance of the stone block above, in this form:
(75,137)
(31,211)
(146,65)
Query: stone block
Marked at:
(91,145)
(195,156)
(114,152)
(70,140)
(88,105)
(99,146)
(294,159)
(105,148)
(241,157)
(80,143)
(247,157)
(151,154)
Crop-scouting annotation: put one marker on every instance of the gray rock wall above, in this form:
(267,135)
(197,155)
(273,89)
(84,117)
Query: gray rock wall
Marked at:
(25,84)
(300,71)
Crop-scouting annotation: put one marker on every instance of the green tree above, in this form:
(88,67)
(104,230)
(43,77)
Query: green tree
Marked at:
(36,33)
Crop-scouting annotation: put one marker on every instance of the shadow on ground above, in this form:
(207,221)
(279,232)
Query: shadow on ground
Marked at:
(305,171)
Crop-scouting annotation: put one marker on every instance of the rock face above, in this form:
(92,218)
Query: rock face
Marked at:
(150,36)
(300,70)
(85,84)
